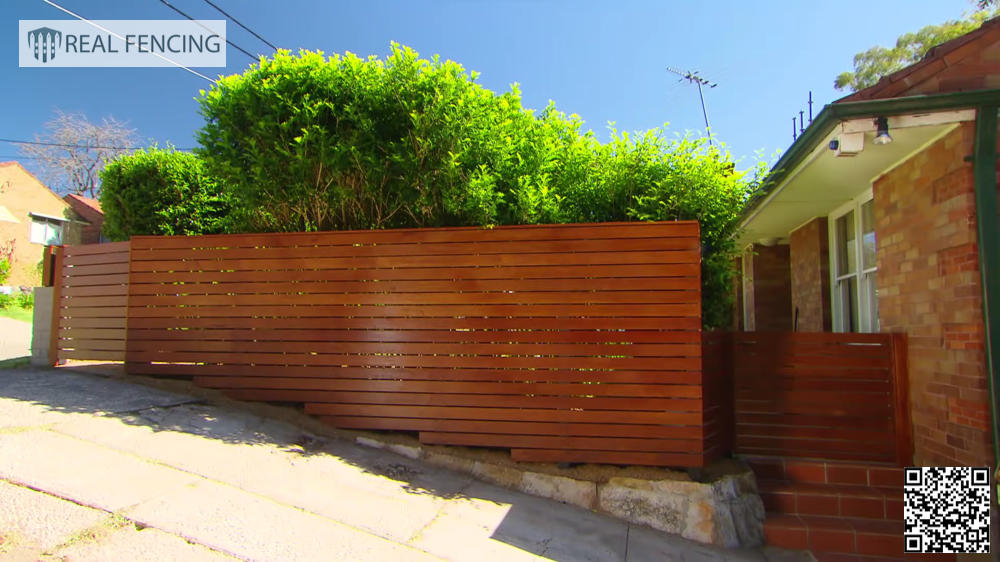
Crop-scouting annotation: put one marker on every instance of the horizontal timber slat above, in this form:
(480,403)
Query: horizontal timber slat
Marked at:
(484,400)
(509,388)
(607,457)
(418,286)
(570,443)
(504,414)
(479,336)
(604,231)
(421,249)
(685,383)
(419,273)
(515,427)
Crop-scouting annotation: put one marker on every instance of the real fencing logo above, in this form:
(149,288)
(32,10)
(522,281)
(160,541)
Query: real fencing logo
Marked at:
(43,43)
(122,43)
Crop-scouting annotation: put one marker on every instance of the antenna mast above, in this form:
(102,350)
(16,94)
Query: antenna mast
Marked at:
(692,76)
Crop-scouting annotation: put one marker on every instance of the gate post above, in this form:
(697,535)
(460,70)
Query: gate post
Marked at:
(57,286)
(901,401)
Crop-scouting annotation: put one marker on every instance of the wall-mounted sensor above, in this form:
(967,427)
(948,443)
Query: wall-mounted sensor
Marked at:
(849,144)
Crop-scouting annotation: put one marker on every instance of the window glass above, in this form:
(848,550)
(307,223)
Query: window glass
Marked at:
(847,257)
(46,232)
(54,234)
(38,228)
(868,236)
(849,304)
(872,283)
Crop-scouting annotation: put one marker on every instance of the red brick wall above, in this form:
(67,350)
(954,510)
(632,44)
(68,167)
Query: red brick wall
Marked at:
(929,287)
(768,288)
(810,267)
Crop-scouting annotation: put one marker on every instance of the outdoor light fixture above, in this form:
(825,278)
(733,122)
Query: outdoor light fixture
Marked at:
(882,132)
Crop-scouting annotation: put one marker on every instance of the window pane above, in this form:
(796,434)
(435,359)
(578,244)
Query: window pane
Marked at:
(848,289)
(872,287)
(38,235)
(847,259)
(54,234)
(868,236)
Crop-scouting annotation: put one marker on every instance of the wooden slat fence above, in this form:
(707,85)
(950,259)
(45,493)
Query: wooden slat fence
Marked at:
(90,295)
(563,343)
(821,395)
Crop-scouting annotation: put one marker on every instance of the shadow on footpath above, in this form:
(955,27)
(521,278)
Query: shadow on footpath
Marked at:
(542,527)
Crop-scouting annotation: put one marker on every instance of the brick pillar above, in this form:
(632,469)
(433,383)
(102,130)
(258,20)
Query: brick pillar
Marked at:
(767,288)
(810,267)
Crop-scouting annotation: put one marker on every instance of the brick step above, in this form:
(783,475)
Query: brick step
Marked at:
(841,539)
(835,500)
(826,472)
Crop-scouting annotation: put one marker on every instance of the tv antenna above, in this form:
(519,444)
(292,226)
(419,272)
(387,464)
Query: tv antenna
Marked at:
(692,76)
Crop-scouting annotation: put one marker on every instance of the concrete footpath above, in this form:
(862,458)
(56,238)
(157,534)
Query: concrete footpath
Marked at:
(97,468)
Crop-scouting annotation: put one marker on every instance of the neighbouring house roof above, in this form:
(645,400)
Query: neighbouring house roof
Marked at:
(922,101)
(87,207)
(969,62)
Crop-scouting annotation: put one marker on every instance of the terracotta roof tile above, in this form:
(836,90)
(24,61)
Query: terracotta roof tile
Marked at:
(941,58)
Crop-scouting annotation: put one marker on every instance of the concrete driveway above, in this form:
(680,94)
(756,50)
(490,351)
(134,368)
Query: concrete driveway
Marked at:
(96,468)
(15,338)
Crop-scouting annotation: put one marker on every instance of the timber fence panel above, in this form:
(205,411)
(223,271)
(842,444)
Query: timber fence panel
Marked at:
(561,342)
(833,396)
(91,295)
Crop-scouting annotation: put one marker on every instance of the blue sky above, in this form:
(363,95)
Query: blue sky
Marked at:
(605,61)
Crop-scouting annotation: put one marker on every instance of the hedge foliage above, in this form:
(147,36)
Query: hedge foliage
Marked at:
(162,191)
(308,142)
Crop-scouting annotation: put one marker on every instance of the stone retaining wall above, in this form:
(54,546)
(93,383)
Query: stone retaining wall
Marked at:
(725,512)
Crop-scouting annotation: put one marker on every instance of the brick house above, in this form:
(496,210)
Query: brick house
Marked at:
(31,216)
(89,209)
(883,217)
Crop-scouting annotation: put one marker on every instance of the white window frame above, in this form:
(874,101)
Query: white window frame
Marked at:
(866,314)
(51,225)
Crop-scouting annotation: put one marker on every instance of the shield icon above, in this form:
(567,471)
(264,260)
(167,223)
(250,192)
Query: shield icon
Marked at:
(43,42)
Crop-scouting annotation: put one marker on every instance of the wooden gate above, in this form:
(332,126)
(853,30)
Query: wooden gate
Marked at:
(90,292)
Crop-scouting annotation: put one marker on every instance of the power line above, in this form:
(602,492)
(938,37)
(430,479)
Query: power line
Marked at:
(66,145)
(102,28)
(694,78)
(230,43)
(237,22)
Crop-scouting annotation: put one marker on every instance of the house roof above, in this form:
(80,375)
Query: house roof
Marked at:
(82,204)
(959,74)
(17,164)
(968,62)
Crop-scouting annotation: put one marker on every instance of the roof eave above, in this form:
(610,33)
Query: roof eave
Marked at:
(834,113)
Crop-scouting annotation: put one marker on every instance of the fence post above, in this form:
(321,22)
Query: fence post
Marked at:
(57,283)
(47,257)
(900,405)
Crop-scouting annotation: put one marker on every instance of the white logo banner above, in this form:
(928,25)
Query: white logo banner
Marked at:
(121,43)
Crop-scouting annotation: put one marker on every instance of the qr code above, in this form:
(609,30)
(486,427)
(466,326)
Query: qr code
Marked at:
(947,510)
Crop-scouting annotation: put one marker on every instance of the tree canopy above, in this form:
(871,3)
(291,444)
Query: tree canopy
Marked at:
(871,65)
(73,151)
